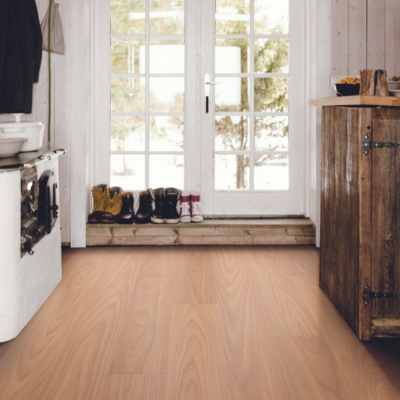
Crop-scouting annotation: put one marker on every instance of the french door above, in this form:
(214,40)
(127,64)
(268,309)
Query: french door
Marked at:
(209,96)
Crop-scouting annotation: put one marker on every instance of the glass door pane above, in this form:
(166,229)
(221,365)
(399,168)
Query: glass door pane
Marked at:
(251,78)
(148,93)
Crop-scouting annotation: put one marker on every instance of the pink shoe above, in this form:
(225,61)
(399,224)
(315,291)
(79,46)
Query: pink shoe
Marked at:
(197,214)
(186,217)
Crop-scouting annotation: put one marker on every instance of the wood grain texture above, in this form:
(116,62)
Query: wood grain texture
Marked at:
(365,39)
(193,324)
(334,101)
(340,209)
(364,227)
(211,232)
(386,214)
(361,216)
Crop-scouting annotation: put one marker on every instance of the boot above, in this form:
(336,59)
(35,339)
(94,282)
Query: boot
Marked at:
(197,214)
(159,202)
(100,197)
(145,211)
(127,215)
(114,201)
(186,217)
(171,215)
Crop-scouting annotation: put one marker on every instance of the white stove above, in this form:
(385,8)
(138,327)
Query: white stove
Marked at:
(30,238)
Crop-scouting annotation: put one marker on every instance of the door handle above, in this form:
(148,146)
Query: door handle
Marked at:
(207,89)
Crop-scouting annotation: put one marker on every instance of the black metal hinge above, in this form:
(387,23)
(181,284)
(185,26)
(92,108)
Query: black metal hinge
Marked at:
(369,145)
(370,295)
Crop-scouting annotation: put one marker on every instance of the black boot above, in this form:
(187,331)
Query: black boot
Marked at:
(145,211)
(127,215)
(159,201)
(172,197)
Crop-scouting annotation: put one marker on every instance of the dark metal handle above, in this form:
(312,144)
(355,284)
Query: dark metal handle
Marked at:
(207,104)
(371,145)
(55,206)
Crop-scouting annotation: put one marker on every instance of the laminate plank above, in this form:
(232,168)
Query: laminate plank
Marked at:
(195,324)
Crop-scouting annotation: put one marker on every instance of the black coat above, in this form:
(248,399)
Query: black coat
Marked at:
(20,54)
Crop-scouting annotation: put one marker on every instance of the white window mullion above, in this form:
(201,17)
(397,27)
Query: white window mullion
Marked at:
(252,93)
(147,96)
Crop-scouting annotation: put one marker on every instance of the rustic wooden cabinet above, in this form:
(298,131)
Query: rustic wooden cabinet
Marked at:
(360,217)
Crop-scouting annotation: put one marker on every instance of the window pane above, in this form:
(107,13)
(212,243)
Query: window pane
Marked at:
(173,51)
(272,16)
(167,171)
(232,94)
(167,17)
(271,95)
(272,56)
(233,17)
(166,133)
(128,95)
(272,172)
(232,172)
(232,133)
(128,57)
(128,16)
(272,134)
(128,134)
(231,56)
(167,94)
(128,171)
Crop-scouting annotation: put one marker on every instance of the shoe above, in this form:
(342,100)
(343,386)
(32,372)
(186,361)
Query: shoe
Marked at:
(197,214)
(100,198)
(171,215)
(114,201)
(186,215)
(159,205)
(127,215)
(145,211)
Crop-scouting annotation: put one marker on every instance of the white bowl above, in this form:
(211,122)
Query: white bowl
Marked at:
(11,147)
(32,131)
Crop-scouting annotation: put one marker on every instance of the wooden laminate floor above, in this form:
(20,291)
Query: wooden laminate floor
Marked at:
(191,324)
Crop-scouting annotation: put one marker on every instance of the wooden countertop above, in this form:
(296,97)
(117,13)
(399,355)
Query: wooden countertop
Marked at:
(357,101)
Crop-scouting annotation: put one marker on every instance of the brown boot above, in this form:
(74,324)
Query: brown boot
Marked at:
(100,196)
(114,201)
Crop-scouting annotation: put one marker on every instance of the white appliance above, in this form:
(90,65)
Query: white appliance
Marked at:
(33,132)
(30,256)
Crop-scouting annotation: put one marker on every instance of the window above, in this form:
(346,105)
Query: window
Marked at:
(147,93)
(252,95)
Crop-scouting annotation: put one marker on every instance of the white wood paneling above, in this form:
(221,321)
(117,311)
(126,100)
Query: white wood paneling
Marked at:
(73,112)
(392,36)
(376,43)
(366,33)
(357,39)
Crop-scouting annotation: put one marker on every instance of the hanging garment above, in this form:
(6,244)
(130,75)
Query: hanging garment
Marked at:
(54,40)
(20,54)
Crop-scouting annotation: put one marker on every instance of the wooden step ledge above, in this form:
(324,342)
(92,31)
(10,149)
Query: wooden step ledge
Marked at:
(386,328)
(211,232)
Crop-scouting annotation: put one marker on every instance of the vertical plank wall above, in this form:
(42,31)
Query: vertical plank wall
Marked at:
(365,33)
(359,38)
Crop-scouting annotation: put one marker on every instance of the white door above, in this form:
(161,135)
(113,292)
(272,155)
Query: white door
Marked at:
(245,58)
(253,129)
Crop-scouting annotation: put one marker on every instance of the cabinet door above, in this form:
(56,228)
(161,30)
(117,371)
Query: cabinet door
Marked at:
(385,224)
(342,132)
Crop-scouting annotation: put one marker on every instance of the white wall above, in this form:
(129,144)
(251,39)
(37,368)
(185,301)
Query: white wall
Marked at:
(365,36)
(345,39)
(319,69)
(72,110)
